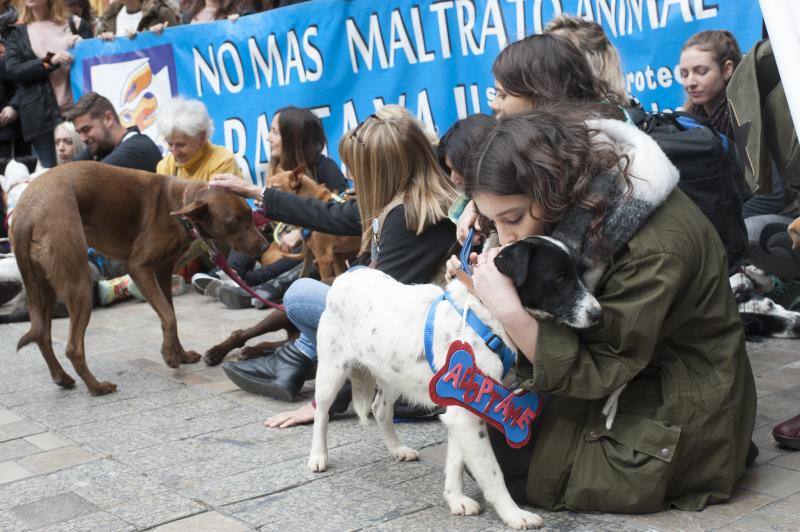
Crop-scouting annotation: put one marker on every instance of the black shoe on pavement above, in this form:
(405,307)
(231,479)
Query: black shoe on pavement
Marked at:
(405,411)
(280,375)
(234,297)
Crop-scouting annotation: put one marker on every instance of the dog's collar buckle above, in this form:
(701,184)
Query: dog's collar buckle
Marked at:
(495,343)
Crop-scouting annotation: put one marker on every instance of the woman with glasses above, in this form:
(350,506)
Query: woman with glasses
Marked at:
(398,180)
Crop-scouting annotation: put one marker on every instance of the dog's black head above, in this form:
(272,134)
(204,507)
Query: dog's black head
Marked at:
(549,279)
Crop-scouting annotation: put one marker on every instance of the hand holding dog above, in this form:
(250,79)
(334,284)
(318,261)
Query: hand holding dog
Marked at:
(494,289)
(234,184)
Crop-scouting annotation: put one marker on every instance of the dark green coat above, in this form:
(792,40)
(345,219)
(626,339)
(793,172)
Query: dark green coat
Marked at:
(670,330)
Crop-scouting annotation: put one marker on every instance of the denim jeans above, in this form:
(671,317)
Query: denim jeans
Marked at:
(304,302)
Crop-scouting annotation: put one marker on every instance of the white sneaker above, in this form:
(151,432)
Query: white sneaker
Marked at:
(200,282)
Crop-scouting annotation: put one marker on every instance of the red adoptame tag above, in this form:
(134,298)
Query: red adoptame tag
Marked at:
(460,383)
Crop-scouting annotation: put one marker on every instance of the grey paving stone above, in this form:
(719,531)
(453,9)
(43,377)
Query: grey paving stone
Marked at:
(47,441)
(9,523)
(155,510)
(294,509)
(96,521)
(15,448)
(771,480)
(52,510)
(60,458)
(205,522)
(19,429)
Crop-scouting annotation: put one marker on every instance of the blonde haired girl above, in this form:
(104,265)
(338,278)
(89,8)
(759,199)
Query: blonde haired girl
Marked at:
(399,182)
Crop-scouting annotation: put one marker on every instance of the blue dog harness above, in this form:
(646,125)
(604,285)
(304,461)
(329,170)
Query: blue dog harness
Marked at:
(492,341)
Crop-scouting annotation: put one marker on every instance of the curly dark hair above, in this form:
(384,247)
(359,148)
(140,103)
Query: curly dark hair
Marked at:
(550,155)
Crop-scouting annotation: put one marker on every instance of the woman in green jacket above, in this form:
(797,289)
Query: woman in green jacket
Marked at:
(670,332)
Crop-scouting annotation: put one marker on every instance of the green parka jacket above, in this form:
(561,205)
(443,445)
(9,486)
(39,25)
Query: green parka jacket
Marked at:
(671,330)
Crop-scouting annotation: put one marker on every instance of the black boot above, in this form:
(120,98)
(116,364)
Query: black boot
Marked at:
(280,375)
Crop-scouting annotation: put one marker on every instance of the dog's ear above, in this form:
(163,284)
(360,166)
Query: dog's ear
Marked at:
(514,261)
(196,211)
(299,170)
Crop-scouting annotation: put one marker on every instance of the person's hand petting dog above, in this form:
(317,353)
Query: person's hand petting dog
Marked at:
(235,184)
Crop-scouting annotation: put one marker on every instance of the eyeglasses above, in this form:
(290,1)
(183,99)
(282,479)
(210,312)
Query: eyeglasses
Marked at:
(354,133)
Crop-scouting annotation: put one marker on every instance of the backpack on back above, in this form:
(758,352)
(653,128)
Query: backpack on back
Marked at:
(710,173)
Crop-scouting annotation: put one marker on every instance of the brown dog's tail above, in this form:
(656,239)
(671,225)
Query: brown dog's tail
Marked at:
(21,234)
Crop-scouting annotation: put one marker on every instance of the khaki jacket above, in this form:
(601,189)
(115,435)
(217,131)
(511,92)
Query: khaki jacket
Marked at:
(760,112)
(671,331)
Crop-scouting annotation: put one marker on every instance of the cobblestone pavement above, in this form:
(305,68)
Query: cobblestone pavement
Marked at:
(186,450)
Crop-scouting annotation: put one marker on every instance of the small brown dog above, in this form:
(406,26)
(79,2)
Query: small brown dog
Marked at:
(128,215)
(330,252)
(794,233)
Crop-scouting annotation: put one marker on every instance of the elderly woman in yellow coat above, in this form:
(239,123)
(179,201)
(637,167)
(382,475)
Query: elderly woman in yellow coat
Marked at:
(186,127)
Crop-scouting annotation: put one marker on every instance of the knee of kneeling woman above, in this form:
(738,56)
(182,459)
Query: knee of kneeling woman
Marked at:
(305,300)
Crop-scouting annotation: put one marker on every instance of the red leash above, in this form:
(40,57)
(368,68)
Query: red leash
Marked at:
(218,258)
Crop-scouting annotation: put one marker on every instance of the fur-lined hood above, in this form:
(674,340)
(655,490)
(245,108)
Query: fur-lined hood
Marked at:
(652,178)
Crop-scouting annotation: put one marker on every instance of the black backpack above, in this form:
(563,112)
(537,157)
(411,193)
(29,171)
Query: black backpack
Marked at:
(710,173)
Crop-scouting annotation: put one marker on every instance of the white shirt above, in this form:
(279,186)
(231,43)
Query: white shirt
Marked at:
(127,22)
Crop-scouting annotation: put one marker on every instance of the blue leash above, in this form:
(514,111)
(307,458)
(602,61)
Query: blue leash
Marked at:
(491,340)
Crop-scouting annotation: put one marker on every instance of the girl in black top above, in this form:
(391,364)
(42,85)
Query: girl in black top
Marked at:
(389,158)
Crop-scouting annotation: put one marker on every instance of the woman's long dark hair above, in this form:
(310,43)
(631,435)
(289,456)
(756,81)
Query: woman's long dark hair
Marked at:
(545,69)
(302,139)
(549,155)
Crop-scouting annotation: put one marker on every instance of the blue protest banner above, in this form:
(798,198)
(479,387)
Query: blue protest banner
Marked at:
(345,59)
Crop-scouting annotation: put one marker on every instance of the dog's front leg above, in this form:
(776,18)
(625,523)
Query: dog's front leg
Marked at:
(459,503)
(171,349)
(471,436)
(383,410)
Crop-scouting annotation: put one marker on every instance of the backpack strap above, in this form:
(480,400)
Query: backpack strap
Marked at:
(377,223)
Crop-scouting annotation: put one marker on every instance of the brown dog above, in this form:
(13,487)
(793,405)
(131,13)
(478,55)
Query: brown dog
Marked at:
(330,251)
(794,233)
(128,215)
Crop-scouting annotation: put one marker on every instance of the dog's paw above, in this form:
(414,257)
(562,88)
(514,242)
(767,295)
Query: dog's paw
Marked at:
(250,351)
(405,454)
(65,381)
(318,462)
(463,505)
(522,520)
(190,357)
(215,355)
(172,361)
(104,388)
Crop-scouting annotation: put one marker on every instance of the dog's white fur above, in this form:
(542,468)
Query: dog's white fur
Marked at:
(386,348)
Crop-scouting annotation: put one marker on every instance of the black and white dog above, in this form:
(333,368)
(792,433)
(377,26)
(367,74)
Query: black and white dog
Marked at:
(761,315)
(372,331)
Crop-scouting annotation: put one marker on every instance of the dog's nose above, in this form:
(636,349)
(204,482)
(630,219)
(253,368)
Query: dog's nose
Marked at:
(594,314)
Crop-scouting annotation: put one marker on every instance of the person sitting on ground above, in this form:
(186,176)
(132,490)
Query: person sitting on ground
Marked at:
(296,137)
(563,74)
(187,129)
(106,140)
(670,332)
(397,178)
(708,60)
(68,142)
(126,18)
